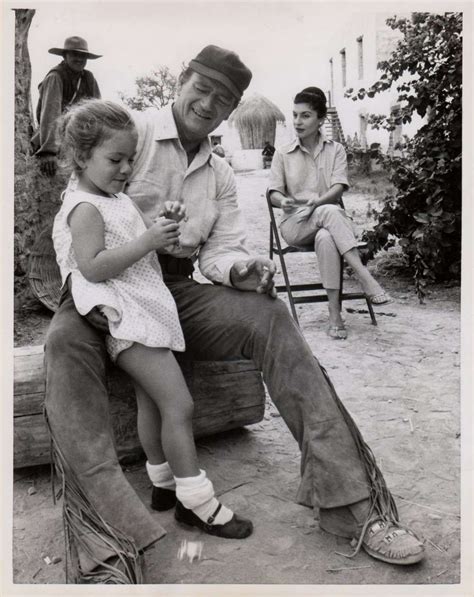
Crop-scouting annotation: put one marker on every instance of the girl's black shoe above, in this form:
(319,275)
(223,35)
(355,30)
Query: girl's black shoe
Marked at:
(236,528)
(162,499)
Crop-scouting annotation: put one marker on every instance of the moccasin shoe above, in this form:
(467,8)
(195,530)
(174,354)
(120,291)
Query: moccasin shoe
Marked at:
(392,543)
(236,528)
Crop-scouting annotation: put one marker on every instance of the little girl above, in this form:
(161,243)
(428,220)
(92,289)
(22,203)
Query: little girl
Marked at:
(108,248)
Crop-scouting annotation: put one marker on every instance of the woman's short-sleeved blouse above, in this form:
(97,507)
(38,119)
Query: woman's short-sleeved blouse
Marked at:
(297,173)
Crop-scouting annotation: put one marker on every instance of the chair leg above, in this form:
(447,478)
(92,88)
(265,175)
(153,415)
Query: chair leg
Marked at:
(341,283)
(288,288)
(284,272)
(371,311)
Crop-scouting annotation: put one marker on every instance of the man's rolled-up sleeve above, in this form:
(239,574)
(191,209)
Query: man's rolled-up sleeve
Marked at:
(226,242)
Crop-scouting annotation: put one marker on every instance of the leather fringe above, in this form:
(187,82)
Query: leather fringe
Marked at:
(381,500)
(80,518)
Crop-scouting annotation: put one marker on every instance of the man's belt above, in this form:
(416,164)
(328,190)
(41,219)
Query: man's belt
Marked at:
(176,266)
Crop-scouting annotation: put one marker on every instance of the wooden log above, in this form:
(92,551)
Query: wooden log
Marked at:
(227,394)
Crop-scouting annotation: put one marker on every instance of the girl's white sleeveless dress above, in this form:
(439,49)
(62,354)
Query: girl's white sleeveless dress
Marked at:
(138,305)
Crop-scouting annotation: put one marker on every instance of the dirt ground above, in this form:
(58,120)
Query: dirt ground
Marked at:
(401,382)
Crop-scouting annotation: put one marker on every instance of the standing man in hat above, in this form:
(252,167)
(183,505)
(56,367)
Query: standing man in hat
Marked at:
(237,316)
(64,85)
(267,153)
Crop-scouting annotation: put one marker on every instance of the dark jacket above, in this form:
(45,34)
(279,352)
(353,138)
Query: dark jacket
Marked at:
(59,89)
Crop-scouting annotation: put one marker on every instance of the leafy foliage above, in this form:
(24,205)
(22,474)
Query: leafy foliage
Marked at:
(153,91)
(359,158)
(424,213)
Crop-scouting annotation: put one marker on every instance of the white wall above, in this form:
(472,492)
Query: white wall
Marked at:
(378,42)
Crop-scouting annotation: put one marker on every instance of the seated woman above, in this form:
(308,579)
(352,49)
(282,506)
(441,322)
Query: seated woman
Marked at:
(307,180)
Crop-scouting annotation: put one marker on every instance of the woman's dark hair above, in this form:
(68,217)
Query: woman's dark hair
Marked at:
(315,98)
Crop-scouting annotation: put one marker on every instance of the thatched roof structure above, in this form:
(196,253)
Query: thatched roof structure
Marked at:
(256,119)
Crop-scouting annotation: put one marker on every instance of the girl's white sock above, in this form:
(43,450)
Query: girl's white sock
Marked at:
(197,494)
(161,475)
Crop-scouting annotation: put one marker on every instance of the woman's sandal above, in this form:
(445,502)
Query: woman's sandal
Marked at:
(236,528)
(337,332)
(381,298)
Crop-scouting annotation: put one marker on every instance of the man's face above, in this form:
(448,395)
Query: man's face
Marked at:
(75,60)
(201,106)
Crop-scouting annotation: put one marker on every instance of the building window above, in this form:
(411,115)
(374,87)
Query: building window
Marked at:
(363,129)
(343,67)
(360,56)
(331,68)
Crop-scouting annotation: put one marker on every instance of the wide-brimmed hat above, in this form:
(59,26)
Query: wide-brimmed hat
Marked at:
(223,66)
(75,44)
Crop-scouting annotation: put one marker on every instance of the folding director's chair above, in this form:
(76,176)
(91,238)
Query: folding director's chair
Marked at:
(302,296)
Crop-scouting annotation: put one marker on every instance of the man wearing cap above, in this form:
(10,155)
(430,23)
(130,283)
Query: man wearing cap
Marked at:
(64,85)
(237,316)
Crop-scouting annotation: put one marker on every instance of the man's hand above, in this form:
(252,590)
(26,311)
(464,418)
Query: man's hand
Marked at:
(48,164)
(94,317)
(255,274)
(173,210)
(98,320)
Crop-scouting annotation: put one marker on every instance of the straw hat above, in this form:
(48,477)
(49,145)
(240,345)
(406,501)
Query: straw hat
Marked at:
(75,44)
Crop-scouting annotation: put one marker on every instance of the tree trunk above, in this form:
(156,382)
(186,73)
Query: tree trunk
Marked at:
(25,219)
(23,110)
(37,197)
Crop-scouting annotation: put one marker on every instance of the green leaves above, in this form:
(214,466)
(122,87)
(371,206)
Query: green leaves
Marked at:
(422,218)
(425,214)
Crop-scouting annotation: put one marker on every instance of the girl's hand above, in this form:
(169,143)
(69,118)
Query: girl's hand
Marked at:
(173,210)
(163,233)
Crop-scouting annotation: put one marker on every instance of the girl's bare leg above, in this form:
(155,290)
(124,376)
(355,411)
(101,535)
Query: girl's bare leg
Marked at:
(149,427)
(158,374)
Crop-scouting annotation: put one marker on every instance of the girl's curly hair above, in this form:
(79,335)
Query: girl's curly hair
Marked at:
(88,124)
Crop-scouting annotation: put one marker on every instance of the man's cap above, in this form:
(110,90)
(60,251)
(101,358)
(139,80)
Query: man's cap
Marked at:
(223,66)
(75,44)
